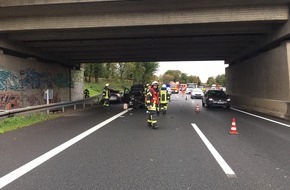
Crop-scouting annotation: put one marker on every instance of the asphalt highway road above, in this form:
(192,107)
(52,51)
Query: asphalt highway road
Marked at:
(190,150)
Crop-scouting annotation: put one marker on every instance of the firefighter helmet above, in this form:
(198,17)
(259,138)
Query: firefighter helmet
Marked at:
(163,85)
(155,83)
(107,84)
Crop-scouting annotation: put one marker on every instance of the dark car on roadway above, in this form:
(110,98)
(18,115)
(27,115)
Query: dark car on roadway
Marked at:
(135,96)
(115,96)
(213,98)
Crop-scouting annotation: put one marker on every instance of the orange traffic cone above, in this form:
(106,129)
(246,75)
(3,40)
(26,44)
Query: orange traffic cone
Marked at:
(233,130)
(197,108)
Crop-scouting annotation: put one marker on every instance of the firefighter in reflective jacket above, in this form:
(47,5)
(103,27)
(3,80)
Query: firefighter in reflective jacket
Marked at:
(152,100)
(106,96)
(145,92)
(164,99)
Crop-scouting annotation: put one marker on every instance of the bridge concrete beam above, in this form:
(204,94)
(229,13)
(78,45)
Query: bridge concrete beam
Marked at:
(271,40)
(73,44)
(125,3)
(274,13)
(144,32)
(13,3)
(11,47)
(138,58)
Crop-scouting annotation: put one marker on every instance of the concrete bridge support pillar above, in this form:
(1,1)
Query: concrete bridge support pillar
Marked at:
(77,77)
(262,83)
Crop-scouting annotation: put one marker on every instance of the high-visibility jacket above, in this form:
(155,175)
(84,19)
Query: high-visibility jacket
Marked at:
(152,98)
(146,90)
(106,93)
(164,96)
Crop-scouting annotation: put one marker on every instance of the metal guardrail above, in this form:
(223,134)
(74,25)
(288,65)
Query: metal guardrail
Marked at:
(51,107)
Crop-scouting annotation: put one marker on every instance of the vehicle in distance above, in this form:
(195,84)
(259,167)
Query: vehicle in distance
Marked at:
(214,98)
(196,93)
(174,86)
(190,87)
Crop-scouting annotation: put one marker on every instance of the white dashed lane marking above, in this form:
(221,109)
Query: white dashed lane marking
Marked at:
(226,168)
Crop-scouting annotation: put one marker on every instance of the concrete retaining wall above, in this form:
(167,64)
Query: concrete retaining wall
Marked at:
(275,108)
(262,83)
(24,81)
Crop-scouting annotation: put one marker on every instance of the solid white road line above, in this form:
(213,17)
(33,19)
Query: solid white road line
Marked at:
(228,171)
(10,177)
(273,121)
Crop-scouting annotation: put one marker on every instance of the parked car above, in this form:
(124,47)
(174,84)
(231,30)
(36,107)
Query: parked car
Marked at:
(135,96)
(216,98)
(196,93)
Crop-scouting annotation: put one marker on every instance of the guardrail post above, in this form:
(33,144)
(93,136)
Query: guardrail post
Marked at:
(75,107)
(84,105)
(62,108)
(47,100)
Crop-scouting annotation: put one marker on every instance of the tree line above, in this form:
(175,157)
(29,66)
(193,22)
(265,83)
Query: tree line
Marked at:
(176,75)
(220,80)
(138,72)
(142,73)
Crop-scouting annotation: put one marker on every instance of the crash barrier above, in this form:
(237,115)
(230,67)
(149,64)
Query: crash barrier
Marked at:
(52,107)
(276,108)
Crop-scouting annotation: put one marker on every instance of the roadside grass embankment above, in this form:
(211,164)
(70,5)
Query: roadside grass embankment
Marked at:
(20,121)
(97,88)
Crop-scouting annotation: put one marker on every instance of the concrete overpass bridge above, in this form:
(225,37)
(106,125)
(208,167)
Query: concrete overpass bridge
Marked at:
(250,35)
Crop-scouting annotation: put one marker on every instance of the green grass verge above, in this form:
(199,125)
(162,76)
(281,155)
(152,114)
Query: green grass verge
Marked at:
(93,88)
(17,122)
(97,88)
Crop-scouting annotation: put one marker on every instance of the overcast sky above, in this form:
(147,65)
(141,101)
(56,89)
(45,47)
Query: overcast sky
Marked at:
(203,69)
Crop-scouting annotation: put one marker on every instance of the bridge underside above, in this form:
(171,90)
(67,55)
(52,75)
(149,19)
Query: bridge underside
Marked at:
(72,32)
(150,43)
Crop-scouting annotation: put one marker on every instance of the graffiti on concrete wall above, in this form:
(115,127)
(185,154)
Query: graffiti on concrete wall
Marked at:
(31,100)
(26,87)
(29,78)
(61,81)
(13,100)
(9,101)
(8,81)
